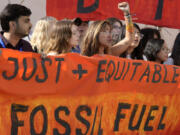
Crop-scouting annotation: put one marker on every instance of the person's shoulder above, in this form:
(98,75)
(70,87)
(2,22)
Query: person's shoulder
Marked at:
(144,57)
(1,35)
(169,61)
(26,46)
(25,42)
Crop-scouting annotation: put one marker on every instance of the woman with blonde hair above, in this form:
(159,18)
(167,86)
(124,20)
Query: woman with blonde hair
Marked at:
(64,36)
(97,39)
(42,33)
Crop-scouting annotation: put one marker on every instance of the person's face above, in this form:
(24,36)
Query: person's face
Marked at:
(82,28)
(137,38)
(74,41)
(23,26)
(115,31)
(105,36)
(162,55)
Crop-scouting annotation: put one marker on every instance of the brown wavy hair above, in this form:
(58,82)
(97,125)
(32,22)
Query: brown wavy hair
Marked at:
(59,39)
(90,44)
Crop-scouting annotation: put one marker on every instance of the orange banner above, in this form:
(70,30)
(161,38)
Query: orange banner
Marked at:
(73,94)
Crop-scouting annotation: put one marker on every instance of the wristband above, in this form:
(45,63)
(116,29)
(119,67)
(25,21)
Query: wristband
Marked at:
(130,27)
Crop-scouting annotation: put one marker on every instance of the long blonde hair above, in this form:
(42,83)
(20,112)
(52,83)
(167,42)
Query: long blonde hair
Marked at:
(60,37)
(42,33)
(90,43)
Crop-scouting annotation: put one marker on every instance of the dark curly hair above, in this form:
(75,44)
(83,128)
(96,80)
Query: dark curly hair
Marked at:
(153,46)
(148,33)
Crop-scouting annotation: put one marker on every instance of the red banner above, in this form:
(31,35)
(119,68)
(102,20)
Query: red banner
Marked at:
(165,13)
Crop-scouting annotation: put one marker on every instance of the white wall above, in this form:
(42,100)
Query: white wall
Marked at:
(38,8)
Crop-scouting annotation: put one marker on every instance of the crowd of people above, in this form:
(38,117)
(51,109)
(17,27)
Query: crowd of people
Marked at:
(110,36)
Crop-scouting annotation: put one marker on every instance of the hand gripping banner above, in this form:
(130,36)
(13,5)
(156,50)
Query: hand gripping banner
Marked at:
(72,94)
(164,13)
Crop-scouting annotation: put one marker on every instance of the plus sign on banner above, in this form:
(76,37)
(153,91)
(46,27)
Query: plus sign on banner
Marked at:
(156,12)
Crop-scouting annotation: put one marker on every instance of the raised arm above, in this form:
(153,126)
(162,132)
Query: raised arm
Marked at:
(123,45)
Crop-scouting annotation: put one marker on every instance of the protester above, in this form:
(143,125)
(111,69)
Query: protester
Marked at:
(63,37)
(156,50)
(97,39)
(98,36)
(41,33)
(131,53)
(174,59)
(82,27)
(15,23)
(148,33)
(116,25)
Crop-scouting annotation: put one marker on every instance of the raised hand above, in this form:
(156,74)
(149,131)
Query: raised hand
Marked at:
(124,6)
